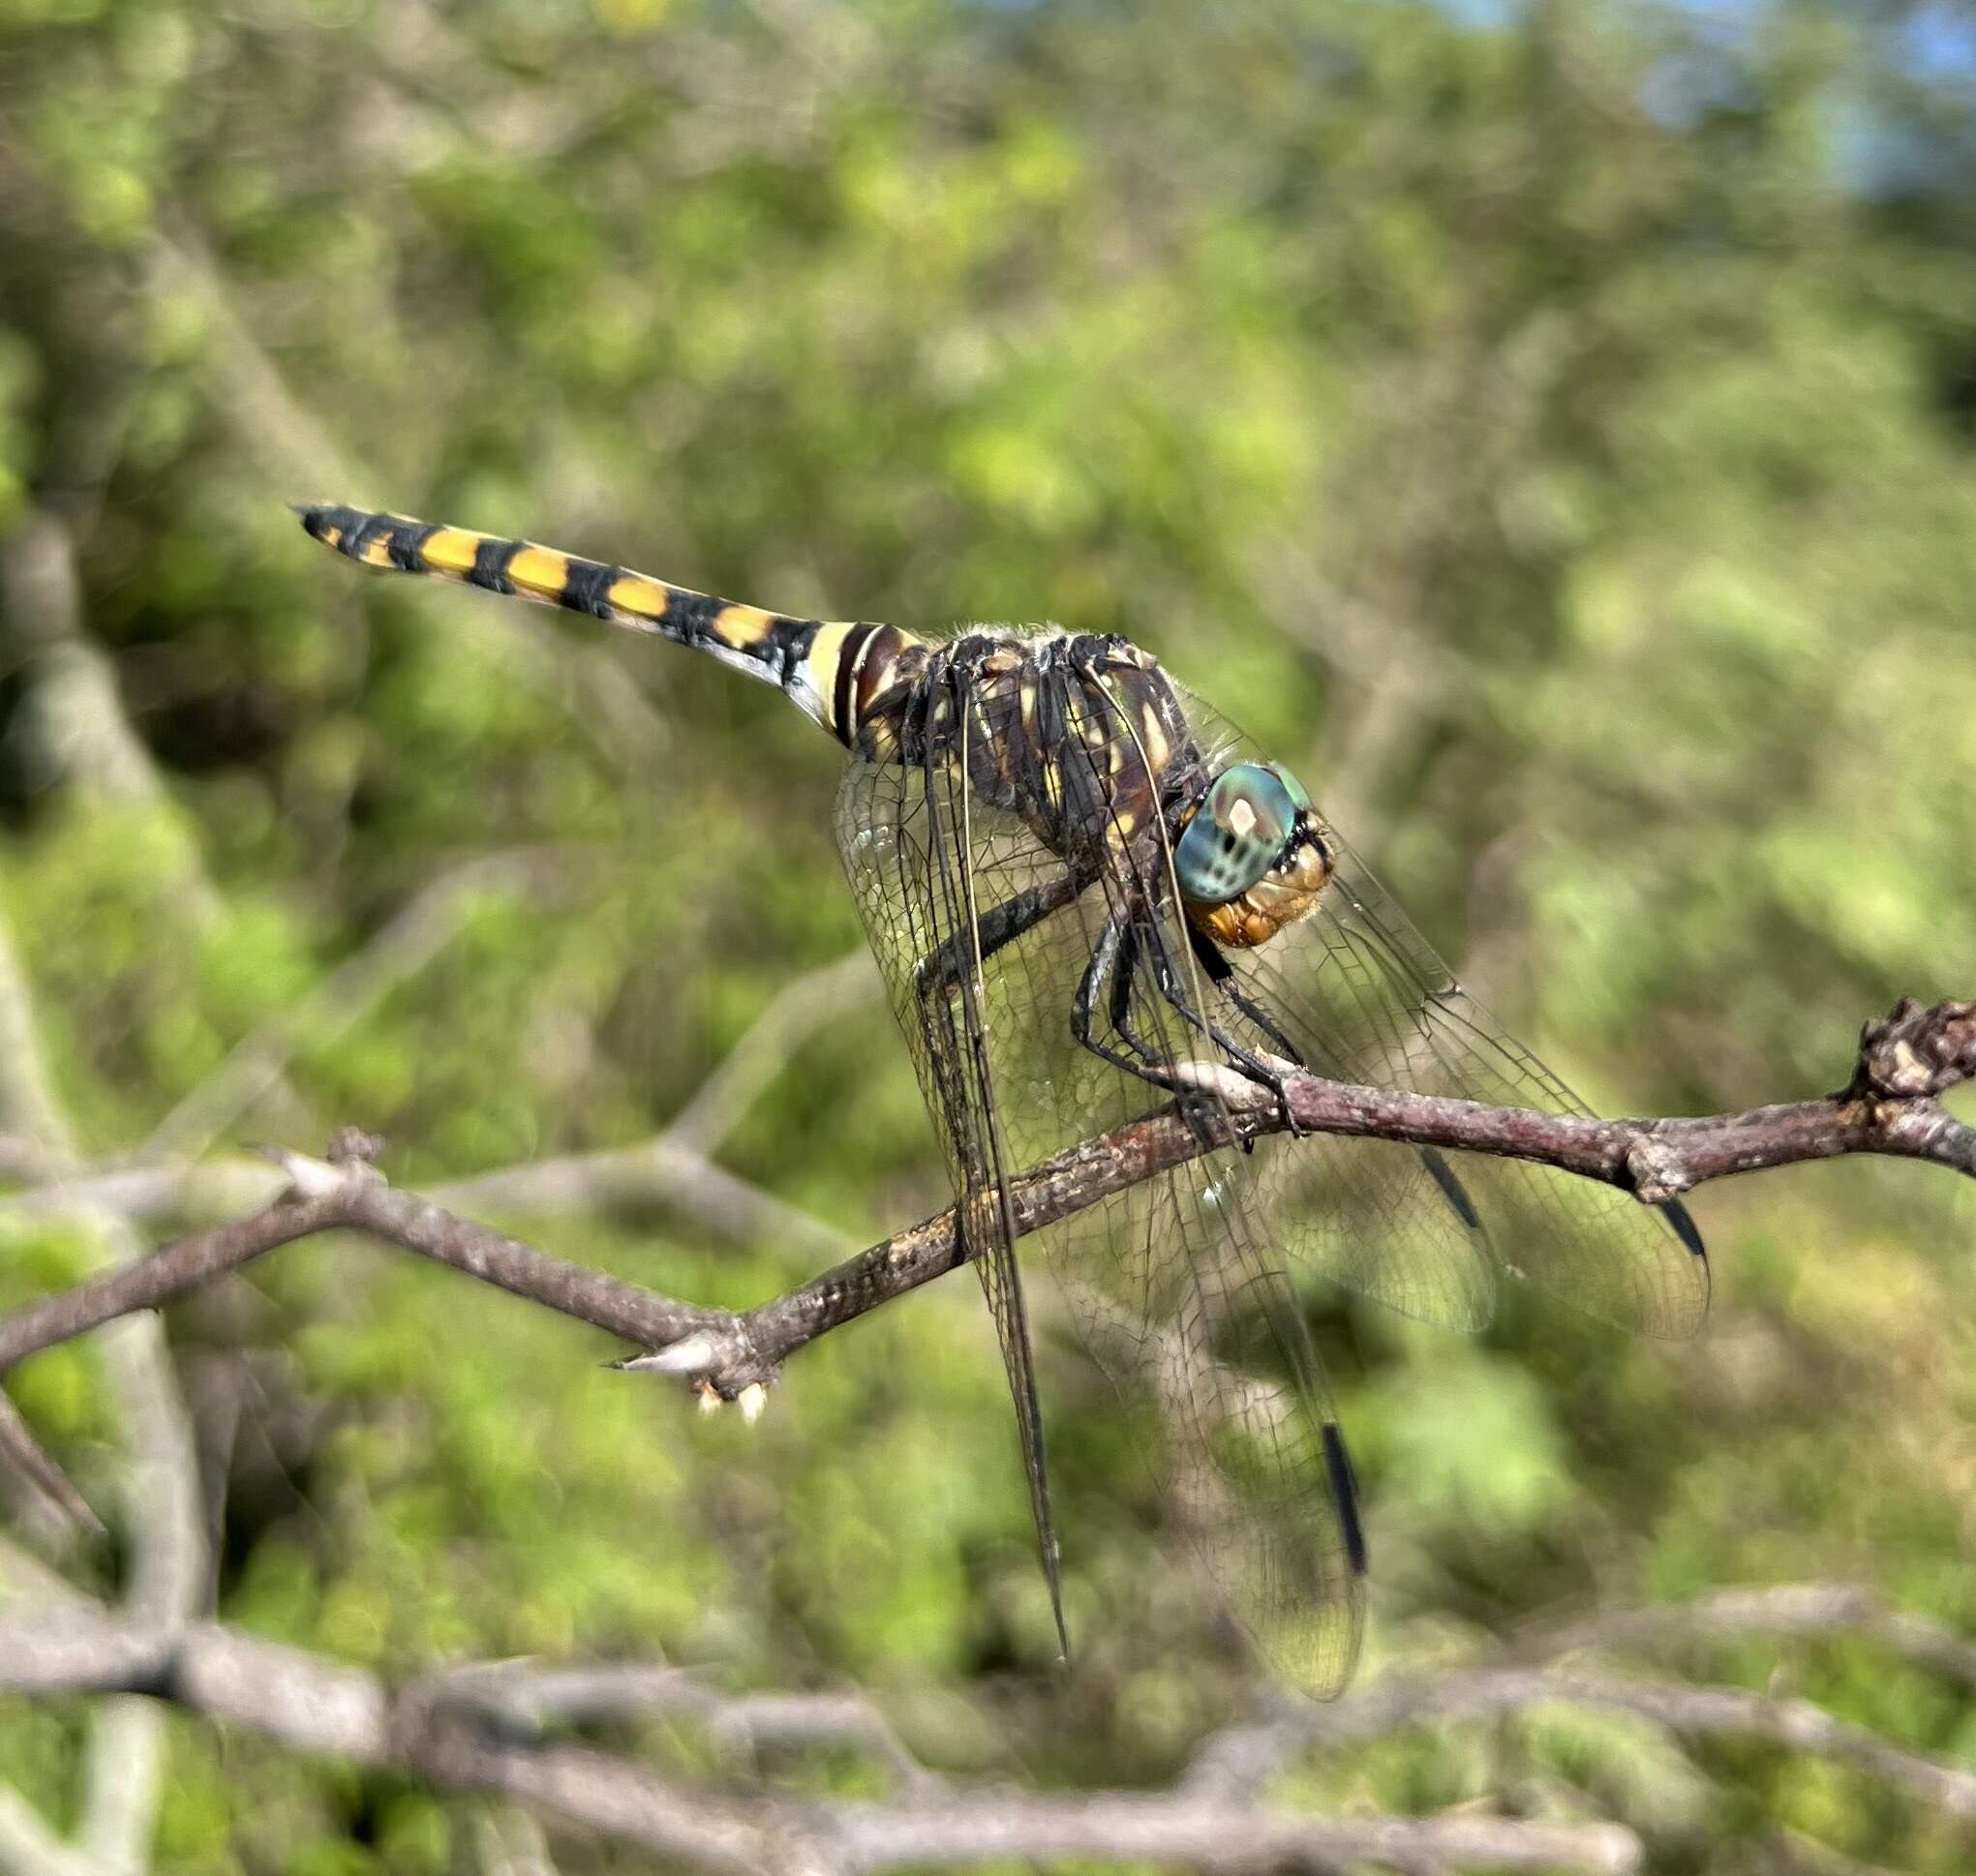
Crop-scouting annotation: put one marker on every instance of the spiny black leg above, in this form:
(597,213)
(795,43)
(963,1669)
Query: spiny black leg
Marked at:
(1247,1060)
(1000,926)
(1113,960)
(1222,974)
(1097,971)
(1205,1114)
(1122,997)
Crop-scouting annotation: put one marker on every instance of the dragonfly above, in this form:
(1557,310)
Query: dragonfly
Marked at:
(1093,899)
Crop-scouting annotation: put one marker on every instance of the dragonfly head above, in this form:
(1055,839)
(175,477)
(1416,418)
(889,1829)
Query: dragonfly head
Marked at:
(1250,859)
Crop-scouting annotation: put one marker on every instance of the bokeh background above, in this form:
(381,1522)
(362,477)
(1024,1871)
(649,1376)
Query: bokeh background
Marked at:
(1551,428)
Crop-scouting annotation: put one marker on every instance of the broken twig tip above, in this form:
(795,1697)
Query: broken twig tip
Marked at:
(308,1176)
(691,1354)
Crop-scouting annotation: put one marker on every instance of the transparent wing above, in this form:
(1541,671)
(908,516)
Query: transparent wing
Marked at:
(1363,997)
(907,835)
(1176,1295)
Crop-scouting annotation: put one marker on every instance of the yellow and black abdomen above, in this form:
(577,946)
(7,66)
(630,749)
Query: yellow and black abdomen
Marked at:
(842,676)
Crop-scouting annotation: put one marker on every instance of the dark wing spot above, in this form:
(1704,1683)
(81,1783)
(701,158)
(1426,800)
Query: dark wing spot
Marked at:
(1345,1490)
(1684,1227)
(1452,1188)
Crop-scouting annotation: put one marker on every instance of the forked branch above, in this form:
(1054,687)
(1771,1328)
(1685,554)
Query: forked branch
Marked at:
(494,1728)
(1889,1107)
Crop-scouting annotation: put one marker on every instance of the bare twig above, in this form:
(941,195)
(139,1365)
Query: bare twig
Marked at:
(671,1168)
(523,1695)
(1242,1759)
(1403,1701)
(1211,1836)
(509,1842)
(82,730)
(29,1459)
(25,1578)
(166,1576)
(425,1731)
(1799,1608)
(212,1186)
(153,1280)
(654,1172)
(165,1516)
(730,1353)
(28,1106)
(660,1171)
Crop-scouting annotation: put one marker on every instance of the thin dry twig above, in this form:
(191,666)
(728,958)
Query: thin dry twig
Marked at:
(1403,1701)
(509,1842)
(526,1697)
(670,1168)
(657,1171)
(1890,1106)
(81,730)
(29,1848)
(1809,1609)
(430,1732)
(1242,1759)
(166,1573)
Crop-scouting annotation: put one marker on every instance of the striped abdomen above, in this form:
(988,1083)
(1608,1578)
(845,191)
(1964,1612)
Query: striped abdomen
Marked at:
(852,678)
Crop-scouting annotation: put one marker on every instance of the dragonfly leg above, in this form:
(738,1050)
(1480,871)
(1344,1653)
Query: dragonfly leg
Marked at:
(941,969)
(1112,960)
(1115,960)
(1121,998)
(1256,1068)
(1222,974)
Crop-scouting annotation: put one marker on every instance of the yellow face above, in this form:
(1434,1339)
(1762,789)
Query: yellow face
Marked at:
(1282,897)
(1249,860)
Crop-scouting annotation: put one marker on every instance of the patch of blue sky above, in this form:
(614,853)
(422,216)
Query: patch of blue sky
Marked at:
(1938,42)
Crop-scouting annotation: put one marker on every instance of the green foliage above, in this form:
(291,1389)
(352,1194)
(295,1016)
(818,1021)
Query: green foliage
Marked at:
(1537,435)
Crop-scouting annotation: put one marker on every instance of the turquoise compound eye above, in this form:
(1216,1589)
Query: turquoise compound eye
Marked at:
(1237,835)
(1292,787)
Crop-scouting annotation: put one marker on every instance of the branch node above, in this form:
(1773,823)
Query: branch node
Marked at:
(353,1146)
(1657,1169)
(1914,1053)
